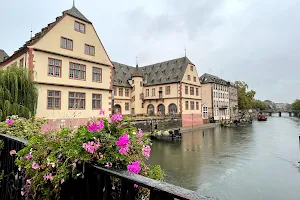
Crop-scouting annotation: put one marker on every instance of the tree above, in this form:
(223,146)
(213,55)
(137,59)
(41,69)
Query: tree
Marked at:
(18,93)
(259,105)
(244,97)
(296,107)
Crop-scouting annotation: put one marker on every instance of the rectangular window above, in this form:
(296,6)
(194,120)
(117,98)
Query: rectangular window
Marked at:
(189,77)
(115,91)
(192,68)
(21,62)
(194,78)
(120,92)
(53,99)
(192,105)
(76,100)
(126,92)
(186,89)
(186,105)
(127,106)
(96,101)
(66,43)
(141,84)
(54,67)
(197,91)
(97,74)
(147,92)
(153,92)
(133,99)
(89,50)
(197,105)
(80,27)
(77,71)
(168,90)
(191,90)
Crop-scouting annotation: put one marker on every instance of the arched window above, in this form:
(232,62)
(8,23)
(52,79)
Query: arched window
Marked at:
(117,108)
(172,109)
(161,109)
(204,112)
(150,109)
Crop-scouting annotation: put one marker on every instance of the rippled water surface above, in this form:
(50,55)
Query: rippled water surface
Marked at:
(255,162)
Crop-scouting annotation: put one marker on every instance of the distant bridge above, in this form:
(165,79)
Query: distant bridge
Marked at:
(291,112)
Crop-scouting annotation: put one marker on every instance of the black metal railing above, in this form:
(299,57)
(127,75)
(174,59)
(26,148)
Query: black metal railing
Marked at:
(96,182)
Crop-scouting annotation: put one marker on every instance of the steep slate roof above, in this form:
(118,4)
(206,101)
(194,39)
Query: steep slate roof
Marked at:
(3,54)
(74,12)
(208,78)
(170,71)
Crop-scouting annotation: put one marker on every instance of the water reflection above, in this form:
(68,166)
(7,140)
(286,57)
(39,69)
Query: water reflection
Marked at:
(230,163)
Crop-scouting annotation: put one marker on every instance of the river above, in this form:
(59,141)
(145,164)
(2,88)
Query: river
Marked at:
(259,161)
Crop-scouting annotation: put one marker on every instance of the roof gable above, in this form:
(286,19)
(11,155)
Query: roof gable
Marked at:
(74,12)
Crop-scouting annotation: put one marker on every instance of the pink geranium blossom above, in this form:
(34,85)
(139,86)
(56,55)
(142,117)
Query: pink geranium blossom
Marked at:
(35,165)
(116,118)
(140,133)
(91,147)
(123,143)
(134,167)
(28,157)
(101,111)
(10,121)
(146,151)
(28,181)
(12,152)
(95,126)
(22,193)
(48,177)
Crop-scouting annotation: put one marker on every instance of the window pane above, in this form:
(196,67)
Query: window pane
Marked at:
(76,26)
(50,93)
(82,75)
(57,102)
(86,49)
(63,43)
(71,94)
(70,44)
(50,103)
(71,103)
(57,62)
(92,50)
(57,93)
(82,67)
(72,73)
(51,70)
(51,61)
(94,104)
(82,27)
(57,71)
(76,74)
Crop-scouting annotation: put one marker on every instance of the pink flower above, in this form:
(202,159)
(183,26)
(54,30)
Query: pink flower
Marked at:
(134,167)
(91,146)
(35,165)
(116,118)
(10,121)
(95,126)
(135,186)
(108,164)
(146,151)
(62,181)
(22,193)
(123,140)
(59,156)
(48,177)
(74,165)
(101,111)
(140,133)
(124,150)
(28,157)
(28,181)
(12,152)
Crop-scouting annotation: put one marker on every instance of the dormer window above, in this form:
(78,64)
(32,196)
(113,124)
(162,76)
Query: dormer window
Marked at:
(80,27)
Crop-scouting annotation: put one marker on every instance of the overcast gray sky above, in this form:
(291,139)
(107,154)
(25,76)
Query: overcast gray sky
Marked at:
(250,40)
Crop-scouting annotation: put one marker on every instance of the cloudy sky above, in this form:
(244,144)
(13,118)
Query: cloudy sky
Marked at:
(250,40)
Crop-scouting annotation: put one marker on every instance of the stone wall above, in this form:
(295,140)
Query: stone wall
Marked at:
(162,124)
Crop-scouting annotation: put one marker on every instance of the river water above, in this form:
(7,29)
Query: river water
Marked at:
(259,161)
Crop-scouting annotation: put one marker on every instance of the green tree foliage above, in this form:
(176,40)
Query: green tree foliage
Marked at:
(296,107)
(259,105)
(18,93)
(245,97)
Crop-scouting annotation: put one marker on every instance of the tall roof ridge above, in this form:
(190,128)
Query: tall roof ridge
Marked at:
(74,12)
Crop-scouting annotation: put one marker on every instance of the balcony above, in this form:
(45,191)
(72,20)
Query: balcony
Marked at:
(223,107)
(96,182)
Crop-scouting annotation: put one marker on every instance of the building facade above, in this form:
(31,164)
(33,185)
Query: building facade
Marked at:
(233,101)
(215,97)
(71,68)
(167,88)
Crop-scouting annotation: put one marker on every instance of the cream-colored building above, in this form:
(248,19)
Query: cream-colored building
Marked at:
(71,68)
(166,88)
(215,97)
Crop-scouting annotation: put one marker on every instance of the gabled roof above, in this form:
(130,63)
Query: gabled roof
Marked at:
(208,78)
(3,55)
(74,12)
(170,71)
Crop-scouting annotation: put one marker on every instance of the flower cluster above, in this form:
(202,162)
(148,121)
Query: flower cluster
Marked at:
(146,151)
(95,125)
(134,167)
(91,147)
(123,143)
(28,157)
(101,112)
(140,133)
(116,118)
(10,121)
